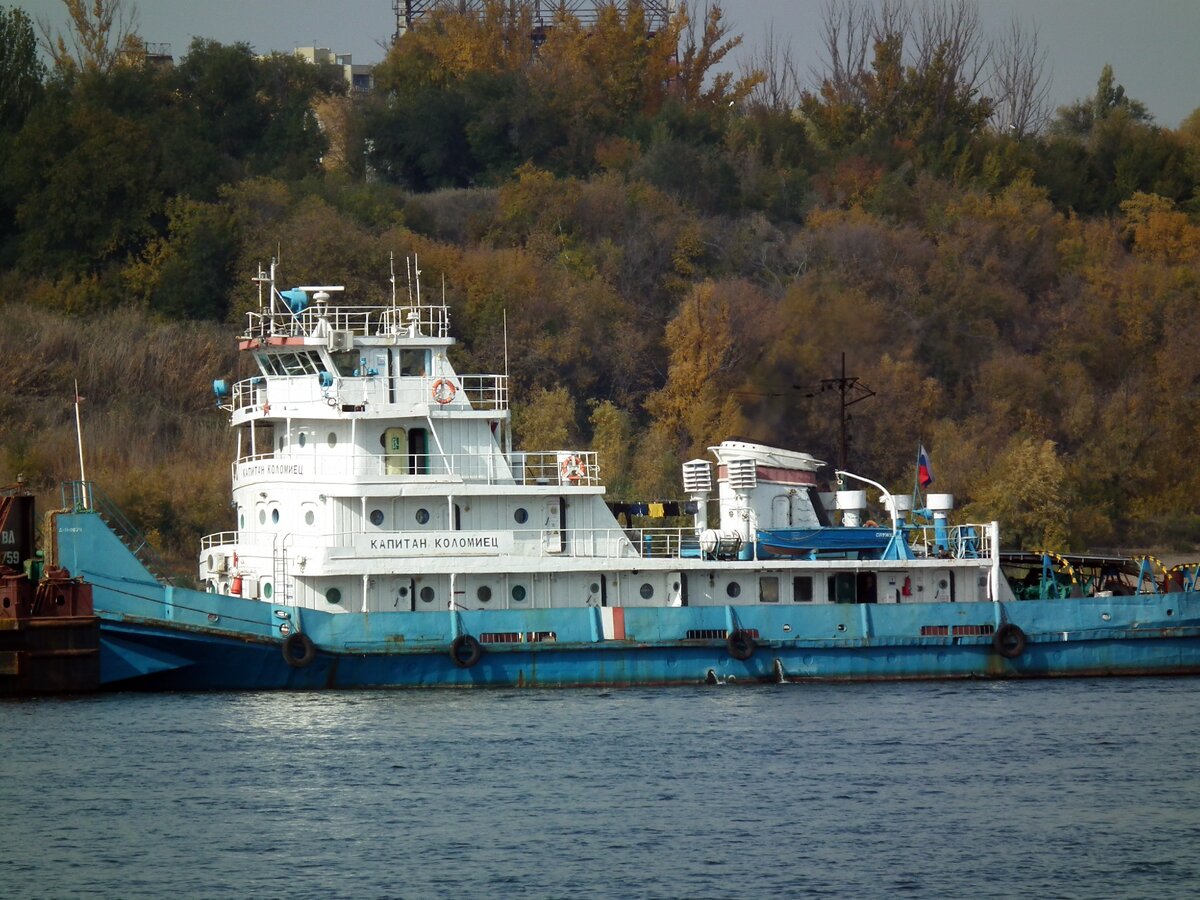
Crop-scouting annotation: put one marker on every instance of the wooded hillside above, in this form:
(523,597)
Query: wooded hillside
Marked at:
(682,255)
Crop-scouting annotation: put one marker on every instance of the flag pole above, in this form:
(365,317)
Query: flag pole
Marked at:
(79,441)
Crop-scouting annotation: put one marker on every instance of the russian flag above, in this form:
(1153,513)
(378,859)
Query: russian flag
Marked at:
(924,470)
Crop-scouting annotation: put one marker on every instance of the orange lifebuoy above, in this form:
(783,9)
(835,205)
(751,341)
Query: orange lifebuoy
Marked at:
(444,390)
(573,468)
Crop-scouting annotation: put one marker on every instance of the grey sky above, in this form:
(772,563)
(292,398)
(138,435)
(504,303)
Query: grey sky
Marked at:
(1152,44)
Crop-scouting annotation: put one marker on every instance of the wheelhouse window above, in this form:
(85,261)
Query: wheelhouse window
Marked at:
(802,589)
(768,589)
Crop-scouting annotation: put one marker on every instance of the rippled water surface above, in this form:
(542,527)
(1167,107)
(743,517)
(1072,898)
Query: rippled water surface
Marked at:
(1046,789)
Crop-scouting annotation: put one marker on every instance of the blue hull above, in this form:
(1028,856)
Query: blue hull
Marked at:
(162,638)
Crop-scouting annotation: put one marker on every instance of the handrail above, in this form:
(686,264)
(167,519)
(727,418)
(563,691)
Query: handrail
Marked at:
(84,495)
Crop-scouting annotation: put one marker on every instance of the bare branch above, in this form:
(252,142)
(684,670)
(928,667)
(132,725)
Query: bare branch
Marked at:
(1019,83)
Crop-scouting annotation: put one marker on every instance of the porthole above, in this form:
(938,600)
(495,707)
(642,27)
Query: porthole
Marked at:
(303,438)
(281,443)
(309,518)
(422,516)
(268,590)
(646,590)
(521,516)
(518,592)
(943,583)
(377,517)
(241,520)
(275,517)
(427,594)
(733,589)
(331,440)
(211,562)
(333,595)
(262,517)
(594,588)
(484,593)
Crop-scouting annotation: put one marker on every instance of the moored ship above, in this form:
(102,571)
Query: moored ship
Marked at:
(389,534)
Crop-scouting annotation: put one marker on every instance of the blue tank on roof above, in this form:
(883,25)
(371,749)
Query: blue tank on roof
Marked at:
(296,300)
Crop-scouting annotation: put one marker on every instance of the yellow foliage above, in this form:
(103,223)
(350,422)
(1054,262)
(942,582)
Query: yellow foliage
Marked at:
(1160,231)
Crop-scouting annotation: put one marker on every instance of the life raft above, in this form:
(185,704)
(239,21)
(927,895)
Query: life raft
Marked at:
(444,390)
(573,469)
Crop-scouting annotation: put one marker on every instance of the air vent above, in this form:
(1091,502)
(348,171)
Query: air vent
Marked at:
(697,476)
(341,340)
(743,475)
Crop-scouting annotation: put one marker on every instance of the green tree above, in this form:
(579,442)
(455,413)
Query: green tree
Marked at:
(21,72)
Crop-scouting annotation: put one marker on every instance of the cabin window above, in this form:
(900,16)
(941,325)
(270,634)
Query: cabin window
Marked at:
(346,362)
(302,438)
(802,589)
(241,520)
(521,516)
(484,593)
(733,589)
(331,440)
(268,590)
(309,517)
(768,589)
(841,587)
(262,516)
(422,517)
(377,517)
(647,590)
(275,516)
(413,362)
(426,594)
(333,595)
(518,592)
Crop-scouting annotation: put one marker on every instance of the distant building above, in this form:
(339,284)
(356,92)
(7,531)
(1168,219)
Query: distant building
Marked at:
(358,78)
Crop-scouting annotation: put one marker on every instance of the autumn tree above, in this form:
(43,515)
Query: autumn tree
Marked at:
(101,35)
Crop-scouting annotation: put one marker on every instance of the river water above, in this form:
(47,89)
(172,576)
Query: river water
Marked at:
(1080,788)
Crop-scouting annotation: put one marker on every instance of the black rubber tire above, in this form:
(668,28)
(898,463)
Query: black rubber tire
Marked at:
(299,650)
(1009,640)
(465,651)
(740,645)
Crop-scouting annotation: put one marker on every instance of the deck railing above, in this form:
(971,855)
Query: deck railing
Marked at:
(475,392)
(318,319)
(565,468)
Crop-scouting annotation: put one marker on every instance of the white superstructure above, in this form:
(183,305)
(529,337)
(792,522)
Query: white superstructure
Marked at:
(369,475)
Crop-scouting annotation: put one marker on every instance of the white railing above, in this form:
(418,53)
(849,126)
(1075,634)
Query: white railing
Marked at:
(317,320)
(962,541)
(564,468)
(475,392)
(587,543)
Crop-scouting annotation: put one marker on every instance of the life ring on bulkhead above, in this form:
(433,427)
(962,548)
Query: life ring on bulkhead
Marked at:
(1009,640)
(299,650)
(465,651)
(444,390)
(740,644)
(573,469)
